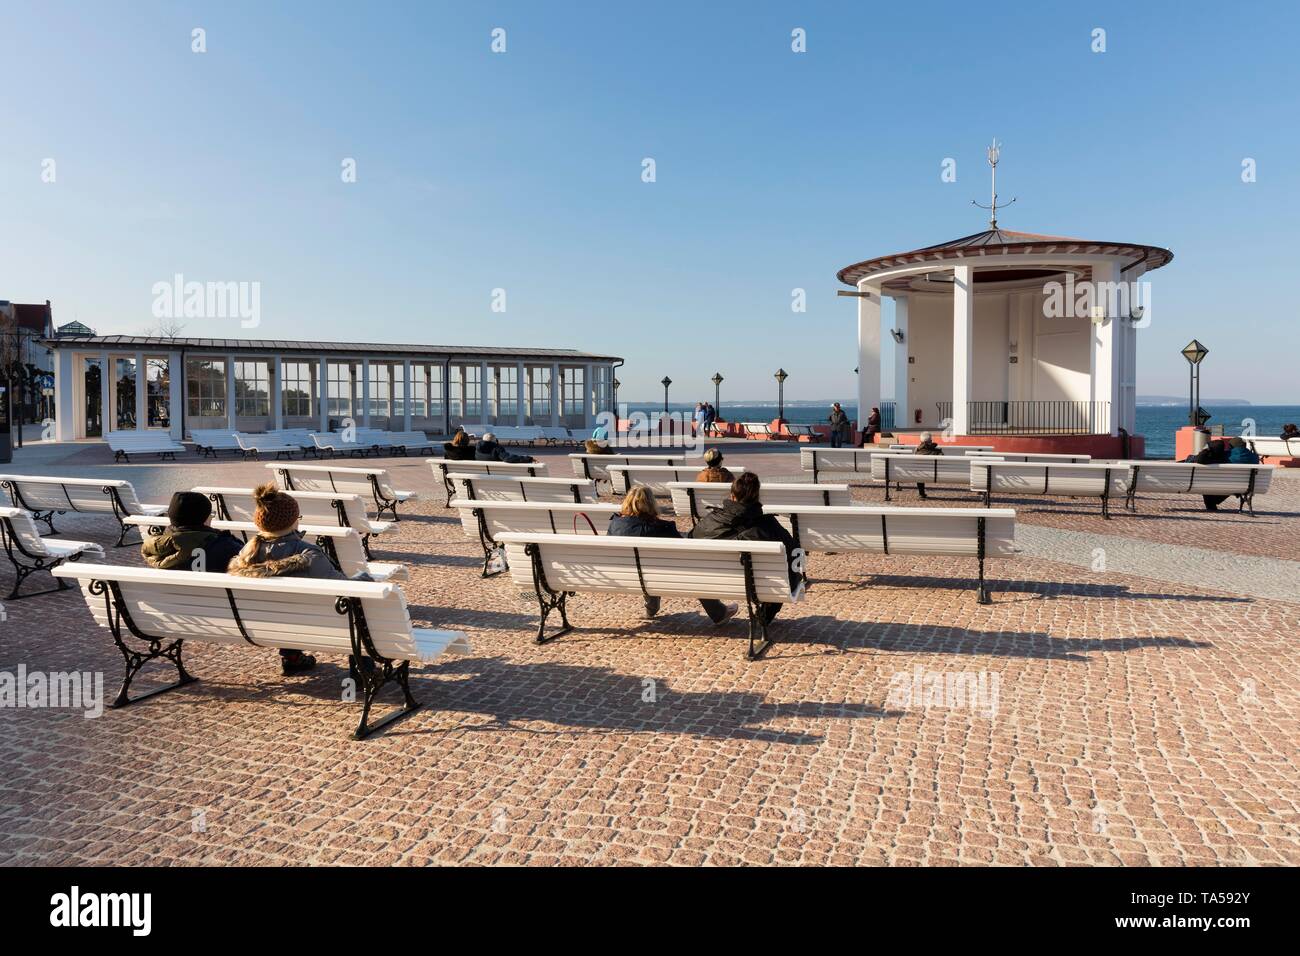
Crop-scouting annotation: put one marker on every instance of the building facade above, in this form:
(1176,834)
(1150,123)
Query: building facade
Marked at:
(108,383)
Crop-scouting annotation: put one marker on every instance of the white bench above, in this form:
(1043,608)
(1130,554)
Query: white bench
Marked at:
(1037,457)
(374,482)
(126,444)
(596,467)
(29,552)
(209,441)
(333,444)
(950,449)
(315,508)
(518,434)
(803,431)
(967,532)
(408,443)
(519,488)
(922,469)
(559,435)
(443,467)
(151,614)
(1274,447)
(343,545)
(694,497)
(840,460)
(1189,478)
(253,445)
(557,565)
(487,519)
(46,496)
(656,477)
(1104,480)
(756,428)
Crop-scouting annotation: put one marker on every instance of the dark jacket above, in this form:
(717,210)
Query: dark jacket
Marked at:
(495,451)
(636,526)
(285,555)
(873,422)
(1215,453)
(457,452)
(174,549)
(739,522)
(1242,456)
(927,448)
(839,422)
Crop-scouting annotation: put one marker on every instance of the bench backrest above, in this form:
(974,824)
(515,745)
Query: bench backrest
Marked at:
(344,481)
(1176,477)
(95,495)
(556,433)
(656,477)
(928,469)
(442,467)
(1275,447)
(1043,478)
(214,437)
(145,439)
(943,531)
(1042,457)
(541,517)
(694,498)
(290,612)
(856,460)
(315,507)
(516,488)
(595,466)
(665,567)
(19,523)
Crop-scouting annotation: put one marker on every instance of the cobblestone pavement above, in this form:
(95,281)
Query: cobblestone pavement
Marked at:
(1115,718)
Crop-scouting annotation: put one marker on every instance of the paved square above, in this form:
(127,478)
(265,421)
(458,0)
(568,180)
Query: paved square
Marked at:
(1142,714)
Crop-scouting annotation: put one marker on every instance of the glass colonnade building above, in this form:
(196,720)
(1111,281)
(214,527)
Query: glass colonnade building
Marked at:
(114,383)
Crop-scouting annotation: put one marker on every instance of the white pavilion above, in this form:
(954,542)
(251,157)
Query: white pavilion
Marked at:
(1024,341)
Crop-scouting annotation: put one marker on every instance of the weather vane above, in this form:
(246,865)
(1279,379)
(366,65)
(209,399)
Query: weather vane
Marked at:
(994,152)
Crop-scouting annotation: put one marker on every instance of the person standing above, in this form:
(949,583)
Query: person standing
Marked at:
(839,425)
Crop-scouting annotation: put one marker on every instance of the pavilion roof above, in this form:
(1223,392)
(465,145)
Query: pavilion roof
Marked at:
(1005,242)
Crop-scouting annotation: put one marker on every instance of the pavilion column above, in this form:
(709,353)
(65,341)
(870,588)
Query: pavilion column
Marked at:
(141,399)
(407,391)
(589,396)
(365,393)
(277,392)
(869,302)
(557,394)
(902,370)
(520,385)
(108,404)
(322,394)
(66,364)
(963,328)
(176,395)
(1105,360)
(483,394)
(231,419)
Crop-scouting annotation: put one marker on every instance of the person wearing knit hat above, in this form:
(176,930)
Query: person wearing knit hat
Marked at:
(188,544)
(278,550)
(713,470)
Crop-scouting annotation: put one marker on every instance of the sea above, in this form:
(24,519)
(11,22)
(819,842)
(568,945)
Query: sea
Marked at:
(1158,423)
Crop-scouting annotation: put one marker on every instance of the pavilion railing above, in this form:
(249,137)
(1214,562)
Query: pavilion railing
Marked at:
(1033,418)
(887,413)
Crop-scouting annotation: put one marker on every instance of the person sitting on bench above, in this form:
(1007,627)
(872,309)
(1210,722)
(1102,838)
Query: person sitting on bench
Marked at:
(278,550)
(188,536)
(459,448)
(489,449)
(639,518)
(713,470)
(741,518)
(1236,454)
(926,447)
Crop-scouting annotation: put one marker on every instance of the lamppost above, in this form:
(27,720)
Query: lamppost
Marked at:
(1195,353)
(665,383)
(616,383)
(780,377)
(717,383)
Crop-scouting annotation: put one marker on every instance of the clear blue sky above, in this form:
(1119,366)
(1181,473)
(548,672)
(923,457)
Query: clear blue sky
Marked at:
(522,171)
